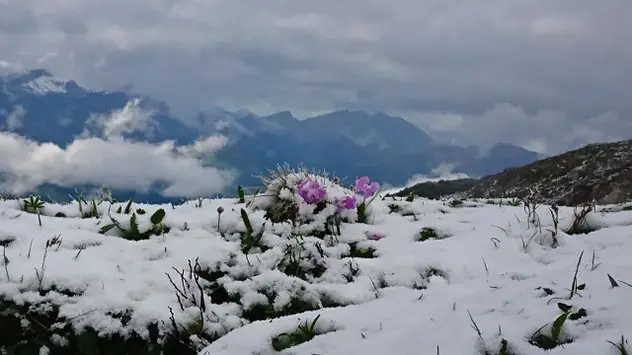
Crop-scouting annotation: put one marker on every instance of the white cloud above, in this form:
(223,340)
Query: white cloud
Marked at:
(112,161)
(129,119)
(15,119)
(543,131)
(443,171)
(453,59)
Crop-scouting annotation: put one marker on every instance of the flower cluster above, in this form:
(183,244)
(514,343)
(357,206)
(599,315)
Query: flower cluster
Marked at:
(346,203)
(312,193)
(365,187)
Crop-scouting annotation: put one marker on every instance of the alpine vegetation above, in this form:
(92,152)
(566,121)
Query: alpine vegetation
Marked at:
(313,264)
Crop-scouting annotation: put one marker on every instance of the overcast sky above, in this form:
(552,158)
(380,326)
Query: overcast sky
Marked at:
(548,75)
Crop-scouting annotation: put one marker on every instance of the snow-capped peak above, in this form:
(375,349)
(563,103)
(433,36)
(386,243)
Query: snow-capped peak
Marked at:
(37,81)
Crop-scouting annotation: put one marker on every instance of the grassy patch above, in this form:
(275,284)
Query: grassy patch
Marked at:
(303,333)
(428,233)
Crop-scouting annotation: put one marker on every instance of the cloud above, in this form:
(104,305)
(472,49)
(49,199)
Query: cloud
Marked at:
(113,161)
(458,58)
(443,171)
(14,119)
(129,119)
(543,131)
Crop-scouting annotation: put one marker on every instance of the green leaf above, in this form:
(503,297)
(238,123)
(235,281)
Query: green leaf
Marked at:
(133,226)
(556,329)
(548,291)
(244,216)
(564,307)
(158,216)
(504,347)
(579,314)
(128,207)
(240,192)
(106,228)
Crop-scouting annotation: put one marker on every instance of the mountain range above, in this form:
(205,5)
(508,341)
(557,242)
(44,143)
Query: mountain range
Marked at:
(349,143)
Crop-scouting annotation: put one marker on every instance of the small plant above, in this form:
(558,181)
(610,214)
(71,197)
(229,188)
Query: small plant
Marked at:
(455,203)
(357,252)
(34,204)
(530,206)
(39,273)
(133,233)
(554,338)
(621,346)
(428,233)
(394,208)
(249,239)
(354,271)
(128,208)
(555,215)
(364,187)
(504,347)
(220,210)
(303,333)
(580,224)
(240,193)
(90,209)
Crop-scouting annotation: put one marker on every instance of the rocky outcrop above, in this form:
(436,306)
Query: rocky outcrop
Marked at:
(600,173)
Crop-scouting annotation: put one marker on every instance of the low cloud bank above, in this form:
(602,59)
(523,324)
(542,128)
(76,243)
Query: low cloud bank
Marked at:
(441,172)
(113,161)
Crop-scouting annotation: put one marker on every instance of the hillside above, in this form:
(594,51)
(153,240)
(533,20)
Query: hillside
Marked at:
(600,173)
(225,277)
(596,172)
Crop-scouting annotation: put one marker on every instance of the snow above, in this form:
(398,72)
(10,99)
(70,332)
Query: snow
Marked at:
(44,84)
(412,297)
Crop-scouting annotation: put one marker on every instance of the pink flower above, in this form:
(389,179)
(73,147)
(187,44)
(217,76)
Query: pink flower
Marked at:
(311,191)
(346,203)
(374,235)
(365,187)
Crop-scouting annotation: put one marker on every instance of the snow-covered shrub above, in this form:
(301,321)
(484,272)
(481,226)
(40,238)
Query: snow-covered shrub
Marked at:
(314,201)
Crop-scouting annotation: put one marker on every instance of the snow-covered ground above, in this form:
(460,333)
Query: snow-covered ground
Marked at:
(419,277)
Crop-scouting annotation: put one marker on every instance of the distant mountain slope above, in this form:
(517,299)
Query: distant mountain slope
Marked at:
(36,105)
(349,143)
(599,172)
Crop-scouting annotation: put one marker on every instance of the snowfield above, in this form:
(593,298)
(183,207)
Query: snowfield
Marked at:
(418,277)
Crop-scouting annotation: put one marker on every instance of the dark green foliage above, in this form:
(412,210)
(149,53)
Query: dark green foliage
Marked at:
(357,252)
(133,233)
(266,311)
(249,240)
(282,211)
(302,334)
(427,233)
(394,208)
(18,340)
(240,193)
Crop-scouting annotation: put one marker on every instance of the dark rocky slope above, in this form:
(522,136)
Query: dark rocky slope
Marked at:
(597,172)
(600,173)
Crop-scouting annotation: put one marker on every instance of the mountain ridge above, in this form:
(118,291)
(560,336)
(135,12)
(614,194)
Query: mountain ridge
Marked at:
(598,173)
(345,142)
